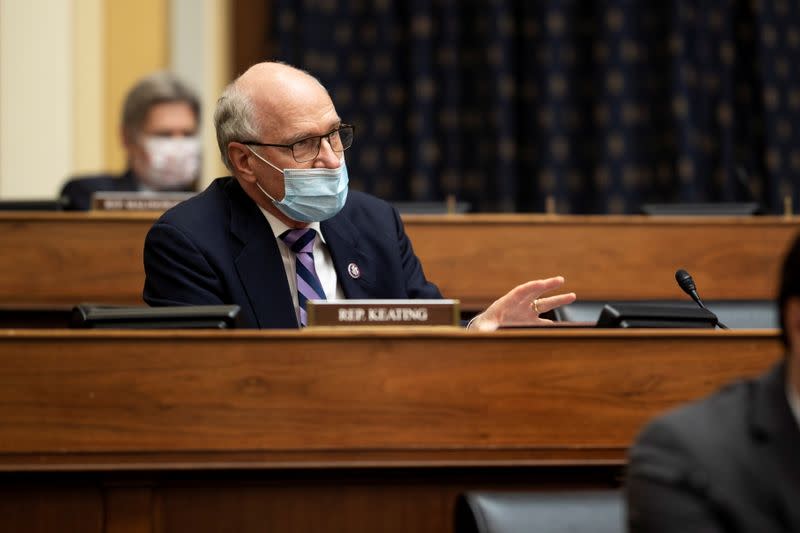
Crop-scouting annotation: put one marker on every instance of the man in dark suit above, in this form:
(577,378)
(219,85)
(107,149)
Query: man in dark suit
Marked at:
(285,228)
(732,461)
(160,119)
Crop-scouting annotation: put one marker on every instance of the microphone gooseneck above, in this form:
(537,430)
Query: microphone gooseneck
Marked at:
(686,283)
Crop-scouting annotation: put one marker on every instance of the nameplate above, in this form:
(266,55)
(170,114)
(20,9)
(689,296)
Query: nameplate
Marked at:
(137,201)
(383,312)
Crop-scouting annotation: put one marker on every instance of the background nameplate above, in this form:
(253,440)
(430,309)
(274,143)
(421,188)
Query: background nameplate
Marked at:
(137,201)
(383,313)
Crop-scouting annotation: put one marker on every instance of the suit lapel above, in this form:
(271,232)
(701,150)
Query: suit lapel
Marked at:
(258,263)
(772,420)
(354,268)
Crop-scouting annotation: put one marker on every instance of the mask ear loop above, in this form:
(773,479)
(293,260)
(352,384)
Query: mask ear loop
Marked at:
(262,159)
(260,188)
(266,193)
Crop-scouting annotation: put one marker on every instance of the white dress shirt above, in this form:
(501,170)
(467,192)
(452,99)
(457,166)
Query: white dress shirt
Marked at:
(322,260)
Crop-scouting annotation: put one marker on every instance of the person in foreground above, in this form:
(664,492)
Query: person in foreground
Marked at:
(160,119)
(730,462)
(286,228)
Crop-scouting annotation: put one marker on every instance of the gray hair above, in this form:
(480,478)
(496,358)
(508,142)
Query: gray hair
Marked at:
(158,88)
(233,120)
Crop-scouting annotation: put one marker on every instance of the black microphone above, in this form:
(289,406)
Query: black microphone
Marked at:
(686,283)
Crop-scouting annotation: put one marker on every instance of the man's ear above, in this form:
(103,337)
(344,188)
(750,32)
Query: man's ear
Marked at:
(239,156)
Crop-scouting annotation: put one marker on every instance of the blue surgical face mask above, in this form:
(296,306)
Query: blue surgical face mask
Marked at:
(312,194)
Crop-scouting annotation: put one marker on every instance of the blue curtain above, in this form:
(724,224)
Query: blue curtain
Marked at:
(601,106)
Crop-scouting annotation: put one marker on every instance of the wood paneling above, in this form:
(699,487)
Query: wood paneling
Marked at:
(243,501)
(386,501)
(352,430)
(329,430)
(476,258)
(129,509)
(326,429)
(440,396)
(54,506)
(51,259)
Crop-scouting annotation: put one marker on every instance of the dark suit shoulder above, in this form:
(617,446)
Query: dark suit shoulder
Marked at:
(78,190)
(362,205)
(362,200)
(724,410)
(103,182)
(197,210)
(372,215)
(707,443)
(702,429)
(718,464)
(203,218)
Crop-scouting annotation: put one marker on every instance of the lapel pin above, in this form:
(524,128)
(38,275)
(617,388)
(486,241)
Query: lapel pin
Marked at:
(354,271)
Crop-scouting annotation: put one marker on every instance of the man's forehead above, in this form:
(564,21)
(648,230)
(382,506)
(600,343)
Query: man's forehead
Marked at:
(288,102)
(296,121)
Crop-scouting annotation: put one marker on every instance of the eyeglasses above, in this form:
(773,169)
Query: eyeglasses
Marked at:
(307,149)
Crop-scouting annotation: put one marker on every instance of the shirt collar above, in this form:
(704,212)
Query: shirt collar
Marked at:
(278,227)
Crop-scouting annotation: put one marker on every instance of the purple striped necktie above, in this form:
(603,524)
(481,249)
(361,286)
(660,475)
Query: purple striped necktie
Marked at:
(301,242)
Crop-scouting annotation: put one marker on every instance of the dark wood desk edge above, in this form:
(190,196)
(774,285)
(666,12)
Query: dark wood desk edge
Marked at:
(322,459)
(383,332)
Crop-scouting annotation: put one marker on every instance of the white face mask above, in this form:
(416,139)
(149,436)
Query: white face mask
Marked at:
(173,162)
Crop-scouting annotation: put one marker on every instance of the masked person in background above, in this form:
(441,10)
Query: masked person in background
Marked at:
(160,120)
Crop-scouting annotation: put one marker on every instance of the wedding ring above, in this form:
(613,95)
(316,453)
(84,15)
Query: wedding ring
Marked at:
(535,306)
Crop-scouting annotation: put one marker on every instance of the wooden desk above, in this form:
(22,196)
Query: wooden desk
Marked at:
(66,258)
(478,258)
(330,430)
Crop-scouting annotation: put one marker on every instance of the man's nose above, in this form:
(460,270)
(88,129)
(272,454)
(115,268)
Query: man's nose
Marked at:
(327,157)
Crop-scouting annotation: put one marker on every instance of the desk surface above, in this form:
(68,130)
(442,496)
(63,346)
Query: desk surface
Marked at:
(65,258)
(336,398)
